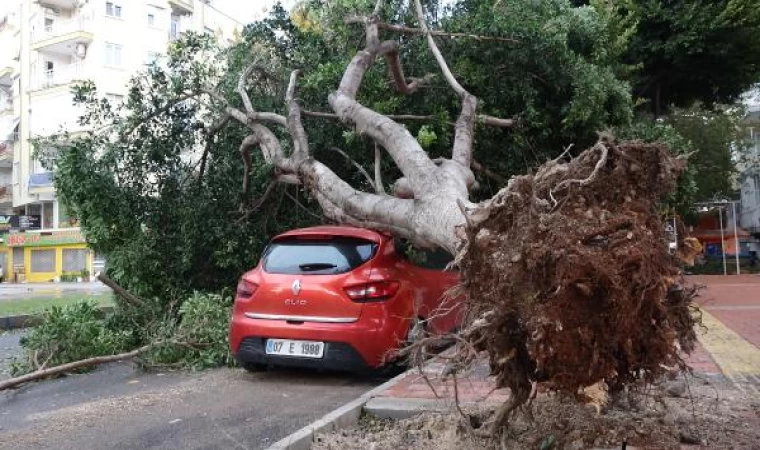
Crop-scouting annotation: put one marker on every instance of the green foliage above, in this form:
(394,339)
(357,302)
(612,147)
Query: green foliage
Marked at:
(134,181)
(198,337)
(694,50)
(716,139)
(426,136)
(70,333)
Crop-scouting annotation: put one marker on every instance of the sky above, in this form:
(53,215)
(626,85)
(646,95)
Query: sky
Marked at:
(246,10)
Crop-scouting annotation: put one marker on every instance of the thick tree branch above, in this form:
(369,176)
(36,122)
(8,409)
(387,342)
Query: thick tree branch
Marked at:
(245,153)
(58,370)
(241,87)
(496,122)
(488,172)
(395,117)
(242,117)
(379,188)
(481,118)
(464,130)
(437,52)
(396,72)
(120,291)
(210,133)
(295,125)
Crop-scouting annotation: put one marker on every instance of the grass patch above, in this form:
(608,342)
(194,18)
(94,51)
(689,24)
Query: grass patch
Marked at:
(38,304)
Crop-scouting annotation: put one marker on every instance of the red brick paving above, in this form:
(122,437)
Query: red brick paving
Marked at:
(722,294)
(735,301)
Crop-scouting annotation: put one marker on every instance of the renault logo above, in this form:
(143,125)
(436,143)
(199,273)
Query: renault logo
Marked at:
(296,287)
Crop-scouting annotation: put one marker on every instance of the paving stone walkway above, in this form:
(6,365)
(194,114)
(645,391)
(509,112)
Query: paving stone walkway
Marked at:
(728,349)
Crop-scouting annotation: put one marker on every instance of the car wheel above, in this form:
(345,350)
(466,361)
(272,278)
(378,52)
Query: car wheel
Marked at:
(254,367)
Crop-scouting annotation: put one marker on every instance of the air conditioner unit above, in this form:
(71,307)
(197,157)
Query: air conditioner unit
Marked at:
(51,12)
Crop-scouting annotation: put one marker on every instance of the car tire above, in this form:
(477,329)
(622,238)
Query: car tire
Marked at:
(254,367)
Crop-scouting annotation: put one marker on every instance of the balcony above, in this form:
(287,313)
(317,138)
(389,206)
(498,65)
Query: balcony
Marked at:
(62,36)
(6,194)
(182,6)
(60,4)
(59,76)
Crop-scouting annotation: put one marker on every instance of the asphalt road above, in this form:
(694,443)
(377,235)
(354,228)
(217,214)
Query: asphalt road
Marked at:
(119,407)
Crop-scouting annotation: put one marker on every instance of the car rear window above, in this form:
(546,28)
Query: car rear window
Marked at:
(317,256)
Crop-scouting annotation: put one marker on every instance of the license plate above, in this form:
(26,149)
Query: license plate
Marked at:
(302,349)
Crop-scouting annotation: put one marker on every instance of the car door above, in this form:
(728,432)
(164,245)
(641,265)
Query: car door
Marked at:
(427,273)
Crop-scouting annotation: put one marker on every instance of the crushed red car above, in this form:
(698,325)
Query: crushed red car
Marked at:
(339,298)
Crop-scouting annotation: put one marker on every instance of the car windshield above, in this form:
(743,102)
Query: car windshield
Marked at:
(317,256)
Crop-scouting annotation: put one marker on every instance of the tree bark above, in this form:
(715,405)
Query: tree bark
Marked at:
(123,293)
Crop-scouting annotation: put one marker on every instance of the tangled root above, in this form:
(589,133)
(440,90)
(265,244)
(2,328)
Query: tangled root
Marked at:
(568,276)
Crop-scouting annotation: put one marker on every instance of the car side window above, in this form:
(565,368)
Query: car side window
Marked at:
(432,259)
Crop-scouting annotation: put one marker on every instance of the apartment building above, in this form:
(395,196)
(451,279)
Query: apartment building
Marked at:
(45,47)
(749,175)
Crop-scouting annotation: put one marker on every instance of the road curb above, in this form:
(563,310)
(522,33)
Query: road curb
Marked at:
(342,417)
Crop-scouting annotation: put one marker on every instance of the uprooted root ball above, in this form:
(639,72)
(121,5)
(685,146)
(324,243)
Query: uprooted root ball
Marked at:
(568,275)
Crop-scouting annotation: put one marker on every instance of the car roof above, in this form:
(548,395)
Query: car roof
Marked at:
(334,230)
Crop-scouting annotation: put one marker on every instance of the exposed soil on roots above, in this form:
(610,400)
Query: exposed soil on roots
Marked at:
(569,279)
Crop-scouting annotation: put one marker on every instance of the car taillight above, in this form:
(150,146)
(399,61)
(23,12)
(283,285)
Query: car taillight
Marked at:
(246,289)
(375,291)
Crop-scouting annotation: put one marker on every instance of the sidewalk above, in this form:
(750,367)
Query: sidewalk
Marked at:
(727,356)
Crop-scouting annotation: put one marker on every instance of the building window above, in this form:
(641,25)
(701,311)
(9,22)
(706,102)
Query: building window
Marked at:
(113,9)
(43,261)
(75,259)
(113,55)
(174,28)
(151,20)
(115,99)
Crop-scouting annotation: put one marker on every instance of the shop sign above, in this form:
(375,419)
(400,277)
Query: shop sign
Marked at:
(10,223)
(63,237)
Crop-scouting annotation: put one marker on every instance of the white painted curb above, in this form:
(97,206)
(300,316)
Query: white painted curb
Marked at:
(344,417)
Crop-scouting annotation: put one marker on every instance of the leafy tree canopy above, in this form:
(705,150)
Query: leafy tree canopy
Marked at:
(693,50)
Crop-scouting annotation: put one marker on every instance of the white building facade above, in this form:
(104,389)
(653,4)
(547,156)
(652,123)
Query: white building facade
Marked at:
(47,45)
(749,175)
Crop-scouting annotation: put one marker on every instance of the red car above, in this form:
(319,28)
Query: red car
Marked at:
(338,298)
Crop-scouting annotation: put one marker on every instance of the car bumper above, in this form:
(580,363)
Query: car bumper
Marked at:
(367,343)
(337,356)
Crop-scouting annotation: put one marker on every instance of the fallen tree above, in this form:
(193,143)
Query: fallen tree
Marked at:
(566,272)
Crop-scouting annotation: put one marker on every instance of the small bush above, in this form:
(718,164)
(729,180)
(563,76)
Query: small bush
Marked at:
(198,339)
(69,333)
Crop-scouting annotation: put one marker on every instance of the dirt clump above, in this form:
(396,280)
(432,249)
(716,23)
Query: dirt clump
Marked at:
(581,287)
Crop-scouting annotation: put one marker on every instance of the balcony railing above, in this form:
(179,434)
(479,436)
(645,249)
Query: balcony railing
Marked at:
(62,27)
(60,75)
